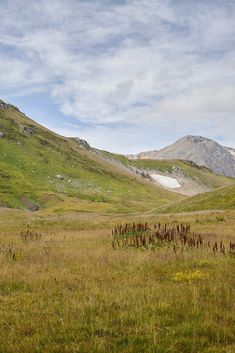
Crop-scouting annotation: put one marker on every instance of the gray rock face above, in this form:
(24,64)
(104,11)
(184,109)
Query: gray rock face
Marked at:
(2,134)
(29,131)
(231,150)
(3,105)
(82,143)
(203,152)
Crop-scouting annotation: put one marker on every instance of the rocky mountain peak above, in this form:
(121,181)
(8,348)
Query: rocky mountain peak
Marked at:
(200,150)
(194,139)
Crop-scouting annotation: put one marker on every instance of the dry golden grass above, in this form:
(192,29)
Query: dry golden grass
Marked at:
(69,291)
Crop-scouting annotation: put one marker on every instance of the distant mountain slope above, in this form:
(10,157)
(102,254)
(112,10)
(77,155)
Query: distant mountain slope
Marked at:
(143,155)
(39,168)
(191,178)
(200,150)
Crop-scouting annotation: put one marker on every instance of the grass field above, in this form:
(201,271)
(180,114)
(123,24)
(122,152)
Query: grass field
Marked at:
(68,290)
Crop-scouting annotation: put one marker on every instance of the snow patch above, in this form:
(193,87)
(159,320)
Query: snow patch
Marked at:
(168,182)
(232,152)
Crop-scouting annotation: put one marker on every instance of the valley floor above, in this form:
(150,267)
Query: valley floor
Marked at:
(67,290)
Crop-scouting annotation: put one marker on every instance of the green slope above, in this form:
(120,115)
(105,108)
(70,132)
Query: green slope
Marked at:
(31,158)
(219,199)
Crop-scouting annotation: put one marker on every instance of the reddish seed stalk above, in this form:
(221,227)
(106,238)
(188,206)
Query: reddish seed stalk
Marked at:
(142,235)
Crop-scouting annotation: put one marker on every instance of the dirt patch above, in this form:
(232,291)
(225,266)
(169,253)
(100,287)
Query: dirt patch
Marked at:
(30,205)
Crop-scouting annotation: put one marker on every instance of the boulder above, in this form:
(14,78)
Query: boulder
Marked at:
(58,176)
(27,130)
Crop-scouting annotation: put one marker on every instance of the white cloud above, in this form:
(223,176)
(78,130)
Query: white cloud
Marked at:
(140,65)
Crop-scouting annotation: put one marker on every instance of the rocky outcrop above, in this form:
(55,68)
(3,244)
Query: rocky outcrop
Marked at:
(4,105)
(27,130)
(231,150)
(82,143)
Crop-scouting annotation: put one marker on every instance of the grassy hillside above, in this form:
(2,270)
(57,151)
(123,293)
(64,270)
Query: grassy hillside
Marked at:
(219,199)
(38,167)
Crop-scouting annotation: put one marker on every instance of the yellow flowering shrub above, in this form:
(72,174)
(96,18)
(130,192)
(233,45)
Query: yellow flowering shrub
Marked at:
(204,263)
(189,276)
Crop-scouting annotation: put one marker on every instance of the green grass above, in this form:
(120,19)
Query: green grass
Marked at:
(29,165)
(220,199)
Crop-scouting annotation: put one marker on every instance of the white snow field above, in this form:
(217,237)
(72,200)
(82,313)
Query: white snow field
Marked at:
(166,181)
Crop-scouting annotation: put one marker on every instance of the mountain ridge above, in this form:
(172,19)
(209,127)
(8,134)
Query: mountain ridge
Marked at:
(200,150)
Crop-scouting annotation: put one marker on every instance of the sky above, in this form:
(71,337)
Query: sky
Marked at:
(126,75)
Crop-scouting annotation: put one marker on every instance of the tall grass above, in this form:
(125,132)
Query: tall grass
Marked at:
(70,291)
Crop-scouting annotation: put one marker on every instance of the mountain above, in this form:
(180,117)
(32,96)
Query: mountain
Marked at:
(143,155)
(200,150)
(41,169)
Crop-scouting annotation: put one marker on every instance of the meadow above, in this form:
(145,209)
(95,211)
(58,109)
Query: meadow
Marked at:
(65,288)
